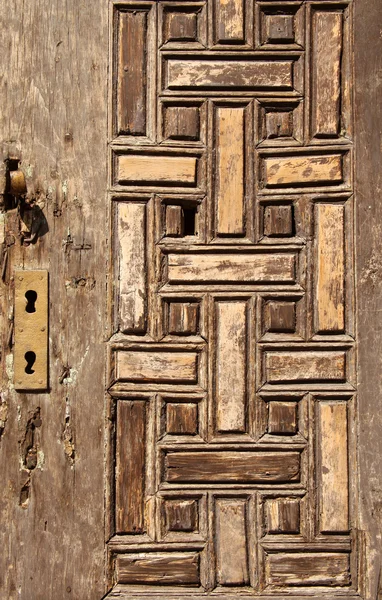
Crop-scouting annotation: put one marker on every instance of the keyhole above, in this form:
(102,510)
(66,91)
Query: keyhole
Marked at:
(31,297)
(30,357)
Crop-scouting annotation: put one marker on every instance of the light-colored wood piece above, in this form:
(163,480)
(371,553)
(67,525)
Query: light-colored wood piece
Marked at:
(333,478)
(326,72)
(157,366)
(231,366)
(229,21)
(218,74)
(230,170)
(132,248)
(232,268)
(140,168)
(324,568)
(231,542)
(304,366)
(329,306)
(302,170)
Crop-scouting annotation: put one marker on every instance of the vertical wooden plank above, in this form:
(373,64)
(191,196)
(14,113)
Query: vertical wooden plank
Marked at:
(231,542)
(132,267)
(230,170)
(330,271)
(229,21)
(132,73)
(231,368)
(333,479)
(326,72)
(130,466)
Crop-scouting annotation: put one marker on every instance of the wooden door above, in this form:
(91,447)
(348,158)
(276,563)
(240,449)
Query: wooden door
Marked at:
(193,197)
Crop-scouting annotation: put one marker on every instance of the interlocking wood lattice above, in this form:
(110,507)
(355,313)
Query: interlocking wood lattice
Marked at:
(232,364)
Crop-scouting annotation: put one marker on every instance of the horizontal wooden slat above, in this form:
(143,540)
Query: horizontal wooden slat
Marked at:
(159,568)
(223,74)
(137,168)
(284,171)
(230,466)
(232,268)
(157,366)
(305,366)
(328,569)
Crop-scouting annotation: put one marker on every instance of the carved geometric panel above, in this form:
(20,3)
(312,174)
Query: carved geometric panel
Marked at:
(231,359)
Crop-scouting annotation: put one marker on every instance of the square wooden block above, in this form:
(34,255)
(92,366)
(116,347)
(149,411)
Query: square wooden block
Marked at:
(278,220)
(183,318)
(181,26)
(282,418)
(181,515)
(283,515)
(181,123)
(278,124)
(280,316)
(181,418)
(279,29)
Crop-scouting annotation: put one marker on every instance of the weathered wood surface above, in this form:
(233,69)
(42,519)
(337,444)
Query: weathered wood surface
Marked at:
(54,58)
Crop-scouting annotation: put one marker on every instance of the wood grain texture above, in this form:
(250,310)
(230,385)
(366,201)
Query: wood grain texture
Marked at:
(231,542)
(132,68)
(174,568)
(226,467)
(181,515)
(333,478)
(283,515)
(329,303)
(282,417)
(230,178)
(303,170)
(231,366)
(54,105)
(132,275)
(157,366)
(130,467)
(229,21)
(158,169)
(232,268)
(326,569)
(216,74)
(181,418)
(305,366)
(326,72)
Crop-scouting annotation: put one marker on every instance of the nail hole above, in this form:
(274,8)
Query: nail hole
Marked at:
(30,357)
(31,297)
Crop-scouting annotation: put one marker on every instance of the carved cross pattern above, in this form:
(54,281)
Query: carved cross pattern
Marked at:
(231,369)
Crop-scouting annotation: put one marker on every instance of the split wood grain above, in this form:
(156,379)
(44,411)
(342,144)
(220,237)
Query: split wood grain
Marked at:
(231,542)
(326,72)
(230,182)
(333,477)
(329,306)
(231,366)
(157,366)
(130,466)
(231,467)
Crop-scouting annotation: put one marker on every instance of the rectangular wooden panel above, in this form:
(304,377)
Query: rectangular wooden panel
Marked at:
(230,170)
(175,568)
(183,74)
(132,71)
(31,330)
(132,275)
(231,542)
(326,72)
(235,268)
(232,467)
(329,306)
(156,169)
(130,466)
(305,366)
(229,21)
(231,367)
(285,171)
(157,366)
(333,479)
(324,568)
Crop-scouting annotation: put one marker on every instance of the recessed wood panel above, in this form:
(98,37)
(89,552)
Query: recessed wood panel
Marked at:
(329,303)
(308,569)
(333,479)
(171,568)
(141,168)
(305,366)
(157,366)
(229,21)
(286,171)
(283,515)
(231,366)
(231,467)
(231,542)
